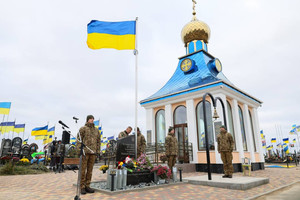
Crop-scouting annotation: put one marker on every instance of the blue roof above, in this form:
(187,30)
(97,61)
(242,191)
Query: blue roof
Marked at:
(181,81)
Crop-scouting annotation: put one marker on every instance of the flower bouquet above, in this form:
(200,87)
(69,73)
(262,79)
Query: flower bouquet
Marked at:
(103,168)
(162,172)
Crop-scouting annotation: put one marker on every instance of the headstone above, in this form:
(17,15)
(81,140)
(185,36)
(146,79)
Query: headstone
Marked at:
(7,147)
(25,151)
(33,148)
(2,145)
(125,147)
(16,146)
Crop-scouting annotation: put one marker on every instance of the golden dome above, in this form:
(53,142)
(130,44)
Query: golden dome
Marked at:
(195,30)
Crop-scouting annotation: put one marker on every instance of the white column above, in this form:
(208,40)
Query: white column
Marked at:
(248,131)
(257,134)
(168,117)
(150,123)
(220,113)
(192,128)
(237,129)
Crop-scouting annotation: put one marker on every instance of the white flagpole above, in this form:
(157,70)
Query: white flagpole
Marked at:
(136,85)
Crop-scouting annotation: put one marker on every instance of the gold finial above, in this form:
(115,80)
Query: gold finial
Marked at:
(194,10)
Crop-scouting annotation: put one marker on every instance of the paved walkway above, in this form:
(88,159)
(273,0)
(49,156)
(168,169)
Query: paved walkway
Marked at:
(60,186)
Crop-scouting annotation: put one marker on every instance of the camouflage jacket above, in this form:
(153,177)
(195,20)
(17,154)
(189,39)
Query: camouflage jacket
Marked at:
(171,145)
(91,138)
(141,144)
(225,142)
(122,134)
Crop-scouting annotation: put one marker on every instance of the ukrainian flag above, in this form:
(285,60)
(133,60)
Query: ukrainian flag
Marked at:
(96,123)
(19,128)
(48,139)
(6,127)
(40,131)
(25,141)
(273,140)
(293,131)
(5,108)
(51,131)
(294,140)
(286,140)
(73,141)
(286,149)
(270,147)
(298,128)
(116,35)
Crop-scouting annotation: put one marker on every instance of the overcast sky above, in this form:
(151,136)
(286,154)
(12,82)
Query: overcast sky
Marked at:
(49,74)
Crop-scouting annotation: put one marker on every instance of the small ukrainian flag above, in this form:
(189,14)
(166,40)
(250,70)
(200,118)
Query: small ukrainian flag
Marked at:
(5,108)
(115,35)
(40,131)
(273,140)
(286,140)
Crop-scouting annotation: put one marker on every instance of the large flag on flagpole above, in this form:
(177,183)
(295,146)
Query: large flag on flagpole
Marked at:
(6,127)
(51,131)
(40,131)
(19,128)
(116,35)
(5,108)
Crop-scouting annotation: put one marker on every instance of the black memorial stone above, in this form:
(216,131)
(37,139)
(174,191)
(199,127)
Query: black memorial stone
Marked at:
(25,151)
(125,147)
(6,147)
(16,146)
(33,148)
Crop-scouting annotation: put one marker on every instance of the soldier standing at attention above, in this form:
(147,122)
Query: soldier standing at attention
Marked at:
(90,137)
(141,143)
(225,148)
(171,146)
(125,133)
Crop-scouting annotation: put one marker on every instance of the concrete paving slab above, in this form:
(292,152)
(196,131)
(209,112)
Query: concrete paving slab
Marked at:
(235,183)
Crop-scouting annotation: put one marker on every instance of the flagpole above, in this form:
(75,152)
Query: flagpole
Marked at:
(136,84)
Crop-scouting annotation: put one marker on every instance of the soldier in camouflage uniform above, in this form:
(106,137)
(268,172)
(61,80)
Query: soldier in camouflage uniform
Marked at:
(171,146)
(90,136)
(125,133)
(225,148)
(141,143)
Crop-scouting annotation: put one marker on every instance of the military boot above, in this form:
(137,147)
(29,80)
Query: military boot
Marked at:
(89,190)
(225,176)
(83,191)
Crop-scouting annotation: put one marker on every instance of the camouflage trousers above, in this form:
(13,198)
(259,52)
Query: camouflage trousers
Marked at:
(87,170)
(226,157)
(171,161)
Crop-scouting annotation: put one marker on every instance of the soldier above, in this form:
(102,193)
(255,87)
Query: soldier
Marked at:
(171,147)
(125,133)
(141,143)
(225,148)
(90,137)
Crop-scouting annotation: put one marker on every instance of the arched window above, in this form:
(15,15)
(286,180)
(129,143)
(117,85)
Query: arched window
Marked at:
(160,126)
(230,122)
(180,115)
(252,131)
(243,129)
(200,126)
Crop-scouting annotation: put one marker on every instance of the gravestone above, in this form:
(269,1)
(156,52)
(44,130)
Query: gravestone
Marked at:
(2,145)
(32,149)
(6,147)
(16,146)
(125,147)
(25,151)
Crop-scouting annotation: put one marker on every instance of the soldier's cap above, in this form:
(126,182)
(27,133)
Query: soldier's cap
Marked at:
(170,129)
(89,117)
(223,127)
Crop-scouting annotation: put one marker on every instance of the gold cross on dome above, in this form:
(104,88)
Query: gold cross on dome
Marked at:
(194,5)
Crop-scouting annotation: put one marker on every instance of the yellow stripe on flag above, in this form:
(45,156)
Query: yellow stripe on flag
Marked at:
(103,40)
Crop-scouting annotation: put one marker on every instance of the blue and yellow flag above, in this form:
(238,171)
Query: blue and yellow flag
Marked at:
(40,131)
(270,147)
(40,137)
(51,131)
(298,128)
(73,141)
(5,108)
(273,140)
(96,123)
(293,131)
(25,141)
(294,140)
(19,128)
(286,149)
(115,35)
(48,139)
(262,134)
(279,145)
(286,140)
(6,127)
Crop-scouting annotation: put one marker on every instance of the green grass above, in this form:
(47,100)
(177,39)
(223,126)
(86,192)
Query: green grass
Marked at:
(9,169)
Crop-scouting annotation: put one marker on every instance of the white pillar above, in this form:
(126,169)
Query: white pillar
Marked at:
(237,129)
(168,117)
(192,128)
(248,131)
(150,123)
(258,137)
(220,113)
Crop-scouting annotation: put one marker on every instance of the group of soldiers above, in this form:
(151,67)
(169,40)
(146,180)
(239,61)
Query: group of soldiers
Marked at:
(90,136)
(57,150)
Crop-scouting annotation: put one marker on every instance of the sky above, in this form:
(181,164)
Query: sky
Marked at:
(49,74)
